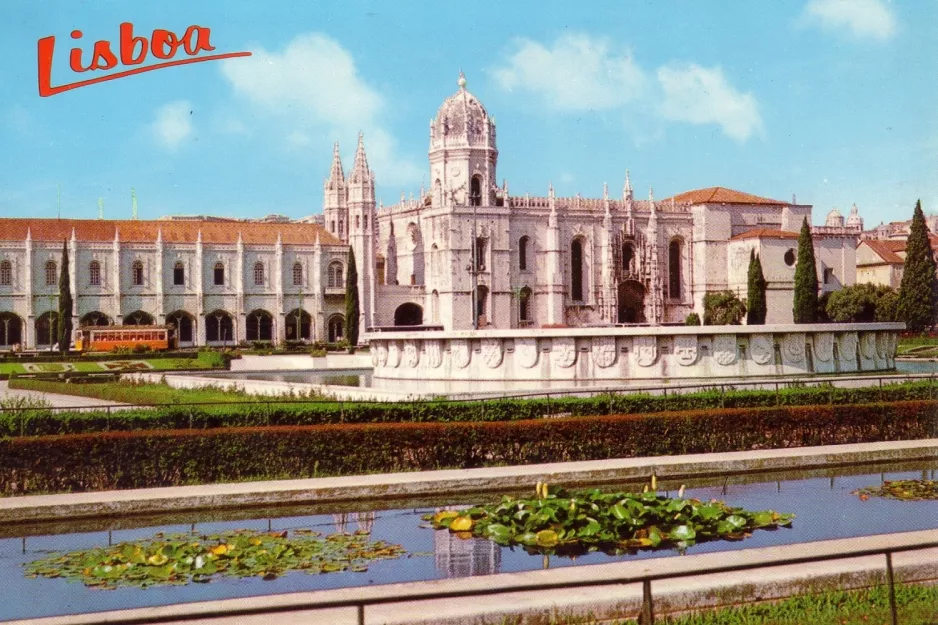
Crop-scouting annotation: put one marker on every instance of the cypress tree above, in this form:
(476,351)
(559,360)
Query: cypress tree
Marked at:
(352,309)
(806,298)
(756,305)
(65,304)
(918,291)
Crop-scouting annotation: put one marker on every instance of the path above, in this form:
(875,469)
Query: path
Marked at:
(55,399)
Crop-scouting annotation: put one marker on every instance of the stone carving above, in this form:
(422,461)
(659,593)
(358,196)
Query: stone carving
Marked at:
(526,350)
(868,345)
(646,350)
(394,353)
(685,349)
(794,347)
(893,342)
(762,348)
(724,349)
(382,352)
(374,357)
(411,354)
(848,347)
(824,346)
(460,353)
(492,352)
(882,344)
(604,351)
(563,351)
(434,352)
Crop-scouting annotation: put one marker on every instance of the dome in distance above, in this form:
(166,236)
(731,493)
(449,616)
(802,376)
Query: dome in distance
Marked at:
(834,219)
(461,113)
(854,219)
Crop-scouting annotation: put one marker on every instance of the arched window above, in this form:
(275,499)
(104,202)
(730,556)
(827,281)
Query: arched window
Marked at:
(482,300)
(480,254)
(576,270)
(336,328)
(219,326)
(435,306)
(336,275)
(358,222)
(137,273)
(52,273)
(628,255)
(258,274)
(259,326)
(524,305)
(332,226)
(94,273)
(179,274)
(341,227)
(434,261)
(219,274)
(6,273)
(674,269)
(297,274)
(523,253)
(475,191)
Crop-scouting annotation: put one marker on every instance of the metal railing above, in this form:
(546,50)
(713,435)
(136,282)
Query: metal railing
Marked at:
(600,575)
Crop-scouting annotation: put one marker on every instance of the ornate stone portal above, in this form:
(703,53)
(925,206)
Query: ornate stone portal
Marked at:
(609,356)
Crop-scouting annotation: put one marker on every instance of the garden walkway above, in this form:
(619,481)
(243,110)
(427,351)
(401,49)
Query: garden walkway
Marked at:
(54,399)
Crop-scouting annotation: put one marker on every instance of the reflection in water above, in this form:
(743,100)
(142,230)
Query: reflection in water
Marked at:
(462,557)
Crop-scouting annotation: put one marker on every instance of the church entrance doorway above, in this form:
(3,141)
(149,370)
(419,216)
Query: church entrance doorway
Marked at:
(631,302)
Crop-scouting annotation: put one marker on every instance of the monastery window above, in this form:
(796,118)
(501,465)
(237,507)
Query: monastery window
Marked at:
(219,274)
(628,255)
(341,227)
(52,274)
(828,275)
(434,261)
(94,273)
(6,273)
(790,257)
(437,193)
(297,274)
(336,275)
(674,269)
(258,274)
(136,273)
(523,253)
(332,226)
(524,305)
(358,222)
(576,270)
(179,274)
(435,307)
(480,254)
(482,300)
(475,191)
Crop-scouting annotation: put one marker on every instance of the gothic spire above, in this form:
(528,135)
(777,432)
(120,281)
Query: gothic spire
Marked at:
(627,187)
(336,175)
(360,172)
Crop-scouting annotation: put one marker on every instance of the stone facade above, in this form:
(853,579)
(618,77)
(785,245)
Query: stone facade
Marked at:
(218,283)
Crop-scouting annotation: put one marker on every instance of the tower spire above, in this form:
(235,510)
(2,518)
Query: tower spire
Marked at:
(336,175)
(360,171)
(627,187)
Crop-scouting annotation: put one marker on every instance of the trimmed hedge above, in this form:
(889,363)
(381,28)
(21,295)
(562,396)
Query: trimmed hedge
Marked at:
(258,412)
(117,460)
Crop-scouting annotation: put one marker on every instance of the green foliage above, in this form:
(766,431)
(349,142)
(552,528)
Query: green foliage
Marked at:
(65,304)
(352,311)
(692,319)
(141,459)
(756,303)
(918,291)
(574,523)
(861,303)
(723,308)
(806,287)
(181,559)
(904,490)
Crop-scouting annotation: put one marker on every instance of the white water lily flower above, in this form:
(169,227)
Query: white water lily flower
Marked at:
(199,562)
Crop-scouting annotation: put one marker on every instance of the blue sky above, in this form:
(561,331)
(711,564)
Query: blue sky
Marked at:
(833,100)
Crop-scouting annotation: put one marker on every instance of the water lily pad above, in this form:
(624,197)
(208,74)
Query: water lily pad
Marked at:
(903,490)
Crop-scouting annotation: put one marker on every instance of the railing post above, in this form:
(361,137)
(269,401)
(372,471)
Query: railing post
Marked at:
(361,614)
(890,579)
(648,607)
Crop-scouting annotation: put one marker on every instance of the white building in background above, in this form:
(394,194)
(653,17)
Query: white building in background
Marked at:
(467,251)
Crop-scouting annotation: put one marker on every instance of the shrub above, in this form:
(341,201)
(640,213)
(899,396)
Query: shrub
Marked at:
(723,308)
(128,459)
(692,319)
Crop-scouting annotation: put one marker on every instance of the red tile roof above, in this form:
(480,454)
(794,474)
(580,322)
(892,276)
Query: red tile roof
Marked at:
(252,233)
(886,250)
(720,195)
(765,233)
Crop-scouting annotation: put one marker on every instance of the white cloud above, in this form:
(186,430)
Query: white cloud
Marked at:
(173,123)
(866,19)
(576,73)
(580,73)
(701,95)
(312,88)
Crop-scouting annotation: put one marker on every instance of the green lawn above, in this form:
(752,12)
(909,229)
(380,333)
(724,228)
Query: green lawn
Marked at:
(202,360)
(917,605)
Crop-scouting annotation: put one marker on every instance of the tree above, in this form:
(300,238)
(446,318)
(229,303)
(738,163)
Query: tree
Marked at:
(65,304)
(352,310)
(918,291)
(692,319)
(806,297)
(756,304)
(861,303)
(723,308)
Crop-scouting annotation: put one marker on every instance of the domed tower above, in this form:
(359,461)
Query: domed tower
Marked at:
(463,155)
(834,219)
(854,220)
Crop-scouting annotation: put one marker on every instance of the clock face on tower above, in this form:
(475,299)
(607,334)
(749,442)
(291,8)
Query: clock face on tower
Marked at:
(455,172)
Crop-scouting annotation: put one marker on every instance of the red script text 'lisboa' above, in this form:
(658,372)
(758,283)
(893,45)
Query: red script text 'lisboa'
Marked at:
(163,44)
